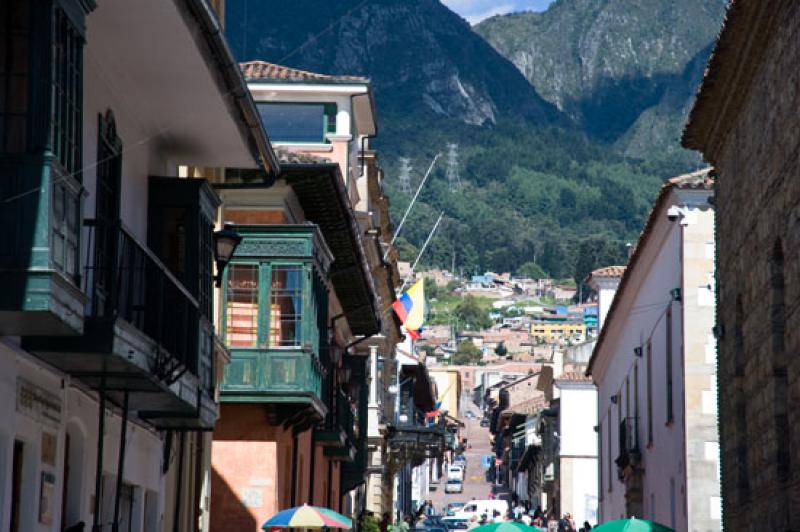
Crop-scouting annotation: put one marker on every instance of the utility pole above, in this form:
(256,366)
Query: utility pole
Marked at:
(453,178)
(405,175)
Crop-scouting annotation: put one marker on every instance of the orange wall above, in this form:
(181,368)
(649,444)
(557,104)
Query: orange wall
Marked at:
(252,460)
(254,217)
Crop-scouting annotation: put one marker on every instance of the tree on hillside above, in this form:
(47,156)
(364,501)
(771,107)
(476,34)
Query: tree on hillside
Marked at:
(532,271)
(596,252)
(471,316)
(501,350)
(467,353)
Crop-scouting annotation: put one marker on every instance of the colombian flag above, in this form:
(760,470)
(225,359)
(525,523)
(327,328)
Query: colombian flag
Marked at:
(410,308)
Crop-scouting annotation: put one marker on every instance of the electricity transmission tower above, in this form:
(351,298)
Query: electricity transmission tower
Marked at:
(453,179)
(405,175)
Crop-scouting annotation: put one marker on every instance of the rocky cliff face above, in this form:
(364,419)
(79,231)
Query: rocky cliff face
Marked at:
(626,70)
(420,55)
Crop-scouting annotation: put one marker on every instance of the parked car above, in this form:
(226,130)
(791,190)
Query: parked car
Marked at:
(455,472)
(479,507)
(454,523)
(428,529)
(454,485)
(452,508)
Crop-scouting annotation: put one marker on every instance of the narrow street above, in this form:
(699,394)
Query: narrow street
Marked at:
(475,485)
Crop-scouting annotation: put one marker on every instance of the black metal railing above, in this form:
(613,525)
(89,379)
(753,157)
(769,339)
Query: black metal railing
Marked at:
(126,280)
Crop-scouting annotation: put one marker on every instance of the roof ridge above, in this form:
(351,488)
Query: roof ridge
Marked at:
(264,70)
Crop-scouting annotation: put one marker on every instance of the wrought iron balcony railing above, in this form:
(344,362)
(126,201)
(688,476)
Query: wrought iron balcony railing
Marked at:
(126,280)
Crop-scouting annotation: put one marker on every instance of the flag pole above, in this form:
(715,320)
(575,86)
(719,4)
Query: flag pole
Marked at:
(410,205)
(421,251)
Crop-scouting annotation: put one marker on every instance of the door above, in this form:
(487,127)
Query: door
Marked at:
(16,486)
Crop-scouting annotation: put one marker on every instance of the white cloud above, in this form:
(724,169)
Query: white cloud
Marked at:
(476,10)
(497,10)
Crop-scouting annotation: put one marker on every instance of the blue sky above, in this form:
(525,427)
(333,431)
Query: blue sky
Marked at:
(476,10)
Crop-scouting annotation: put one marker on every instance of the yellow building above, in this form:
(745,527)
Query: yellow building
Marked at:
(448,386)
(553,332)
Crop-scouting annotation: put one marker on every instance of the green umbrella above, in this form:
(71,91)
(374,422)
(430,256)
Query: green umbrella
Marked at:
(507,526)
(631,525)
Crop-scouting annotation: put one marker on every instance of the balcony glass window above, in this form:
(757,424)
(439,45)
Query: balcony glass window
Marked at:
(67,94)
(306,123)
(14,59)
(241,309)
(286,306)
(270,295)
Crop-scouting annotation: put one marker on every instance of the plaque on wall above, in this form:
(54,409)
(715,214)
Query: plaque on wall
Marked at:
(49,448)
(38,404)
(47,498)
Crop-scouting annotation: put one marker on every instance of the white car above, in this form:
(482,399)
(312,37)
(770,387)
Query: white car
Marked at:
(486,507)
(455,472)
(453,486)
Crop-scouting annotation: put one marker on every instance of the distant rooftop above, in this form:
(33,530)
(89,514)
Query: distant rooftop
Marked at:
(263,71)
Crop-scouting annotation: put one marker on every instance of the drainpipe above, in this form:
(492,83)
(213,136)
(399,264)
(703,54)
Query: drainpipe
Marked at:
(121,462)
(329,495)
(98,479)
(311,467)
(293,501)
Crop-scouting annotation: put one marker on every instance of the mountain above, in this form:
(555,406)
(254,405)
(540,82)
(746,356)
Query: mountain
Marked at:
(538,183)
(625,70)
(419,54)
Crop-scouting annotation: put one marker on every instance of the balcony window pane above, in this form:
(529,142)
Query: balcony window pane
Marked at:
(302,123)
(286,301)
(241,312)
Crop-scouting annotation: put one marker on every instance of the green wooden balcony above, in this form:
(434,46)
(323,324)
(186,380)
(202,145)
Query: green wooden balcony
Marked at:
(280,376)
(275,321)
(39,248)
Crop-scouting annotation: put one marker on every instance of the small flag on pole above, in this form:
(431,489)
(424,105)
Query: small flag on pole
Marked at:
(410,308)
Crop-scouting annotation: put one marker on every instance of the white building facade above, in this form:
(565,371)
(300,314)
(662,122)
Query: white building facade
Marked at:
(655,369)
(577,447)
(108,105)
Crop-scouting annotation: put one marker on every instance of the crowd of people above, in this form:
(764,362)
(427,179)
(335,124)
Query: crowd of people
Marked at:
(517,513)
(537,518)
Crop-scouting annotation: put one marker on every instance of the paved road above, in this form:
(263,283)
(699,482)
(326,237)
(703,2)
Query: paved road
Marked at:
(475,485)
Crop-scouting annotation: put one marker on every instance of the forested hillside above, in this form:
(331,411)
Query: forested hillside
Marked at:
(572,196)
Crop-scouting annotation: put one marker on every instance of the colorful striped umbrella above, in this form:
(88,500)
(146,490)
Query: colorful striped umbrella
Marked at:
(308,517)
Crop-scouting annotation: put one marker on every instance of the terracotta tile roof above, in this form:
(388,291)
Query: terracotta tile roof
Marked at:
(702,179)
(573,376)
(293,157)
(261,70)
(612,272)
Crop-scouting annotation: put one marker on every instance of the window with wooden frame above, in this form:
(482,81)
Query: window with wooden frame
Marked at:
(265,304)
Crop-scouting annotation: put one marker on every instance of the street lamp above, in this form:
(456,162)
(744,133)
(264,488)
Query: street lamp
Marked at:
(225,243)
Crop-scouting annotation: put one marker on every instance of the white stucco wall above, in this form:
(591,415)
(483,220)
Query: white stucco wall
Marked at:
(578,450)
(78,417)
(636,321)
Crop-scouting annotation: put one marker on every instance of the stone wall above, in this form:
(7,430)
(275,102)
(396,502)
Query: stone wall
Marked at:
(758,274)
